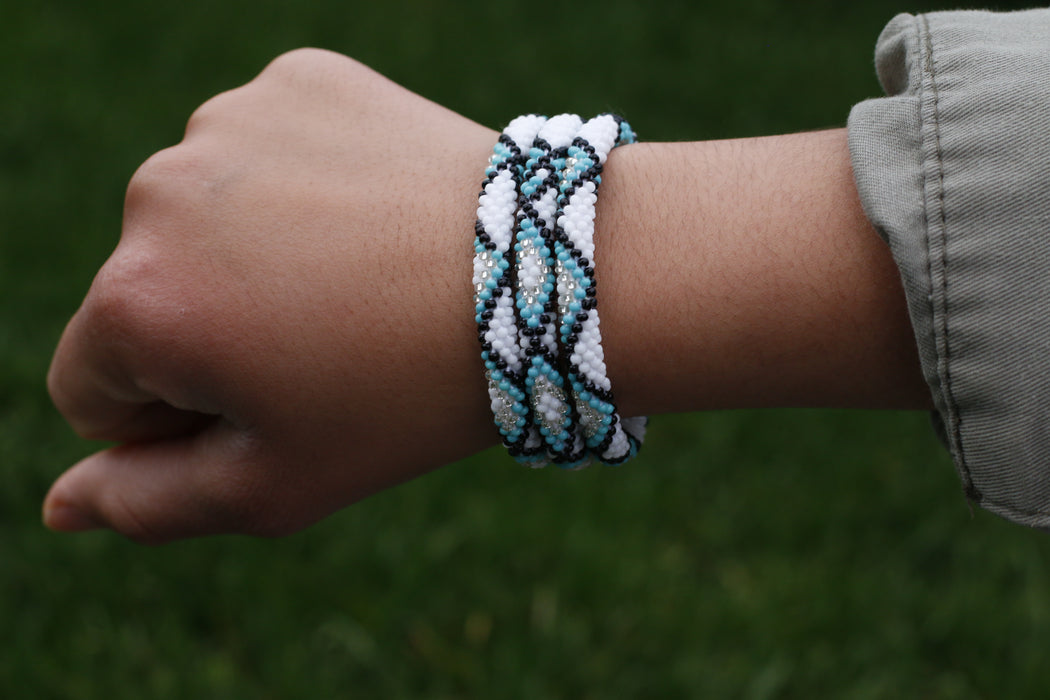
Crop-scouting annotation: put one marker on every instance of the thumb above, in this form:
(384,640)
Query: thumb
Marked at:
(155,492)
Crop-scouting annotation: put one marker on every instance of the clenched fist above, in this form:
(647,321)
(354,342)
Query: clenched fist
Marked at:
(286,323)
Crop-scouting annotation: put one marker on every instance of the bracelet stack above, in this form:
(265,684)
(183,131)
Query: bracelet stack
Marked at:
(538,318)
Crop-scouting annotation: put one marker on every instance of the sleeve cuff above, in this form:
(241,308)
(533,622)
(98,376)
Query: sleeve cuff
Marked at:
(953,169)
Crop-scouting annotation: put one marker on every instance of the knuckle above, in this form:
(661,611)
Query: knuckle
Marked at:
(313,70)
(303,59)
(210,112)
(121,298)
(136,310)
(165,185)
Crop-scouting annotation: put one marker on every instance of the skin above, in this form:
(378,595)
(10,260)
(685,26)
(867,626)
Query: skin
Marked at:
(285,325)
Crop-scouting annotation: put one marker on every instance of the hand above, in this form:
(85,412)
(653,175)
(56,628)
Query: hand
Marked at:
(285,326)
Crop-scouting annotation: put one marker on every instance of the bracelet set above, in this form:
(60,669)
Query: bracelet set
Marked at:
(535,296)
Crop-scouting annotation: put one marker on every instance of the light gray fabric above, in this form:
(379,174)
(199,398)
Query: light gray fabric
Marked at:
(953,168)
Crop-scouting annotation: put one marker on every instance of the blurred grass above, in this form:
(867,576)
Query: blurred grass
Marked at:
(745,555)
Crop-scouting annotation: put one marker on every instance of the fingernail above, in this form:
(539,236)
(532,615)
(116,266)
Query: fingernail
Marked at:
(64,517)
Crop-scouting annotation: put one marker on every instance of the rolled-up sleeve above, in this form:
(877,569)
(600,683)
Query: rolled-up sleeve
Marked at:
(953,168)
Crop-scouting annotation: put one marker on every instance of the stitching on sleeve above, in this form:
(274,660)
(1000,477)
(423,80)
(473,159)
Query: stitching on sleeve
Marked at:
(928,68)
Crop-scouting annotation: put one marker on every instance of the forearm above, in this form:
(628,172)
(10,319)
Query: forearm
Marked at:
(744,274)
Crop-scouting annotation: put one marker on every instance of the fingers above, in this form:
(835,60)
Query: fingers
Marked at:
(155,492)
(101,402)
(123,366)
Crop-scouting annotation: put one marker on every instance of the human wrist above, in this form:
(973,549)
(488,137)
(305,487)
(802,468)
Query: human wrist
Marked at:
(744,274)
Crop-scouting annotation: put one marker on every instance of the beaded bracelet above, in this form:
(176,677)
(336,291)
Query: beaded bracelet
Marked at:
(493,291)
(609,438)
(549,406)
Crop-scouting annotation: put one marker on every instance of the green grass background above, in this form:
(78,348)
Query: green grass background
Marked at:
(775,554)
